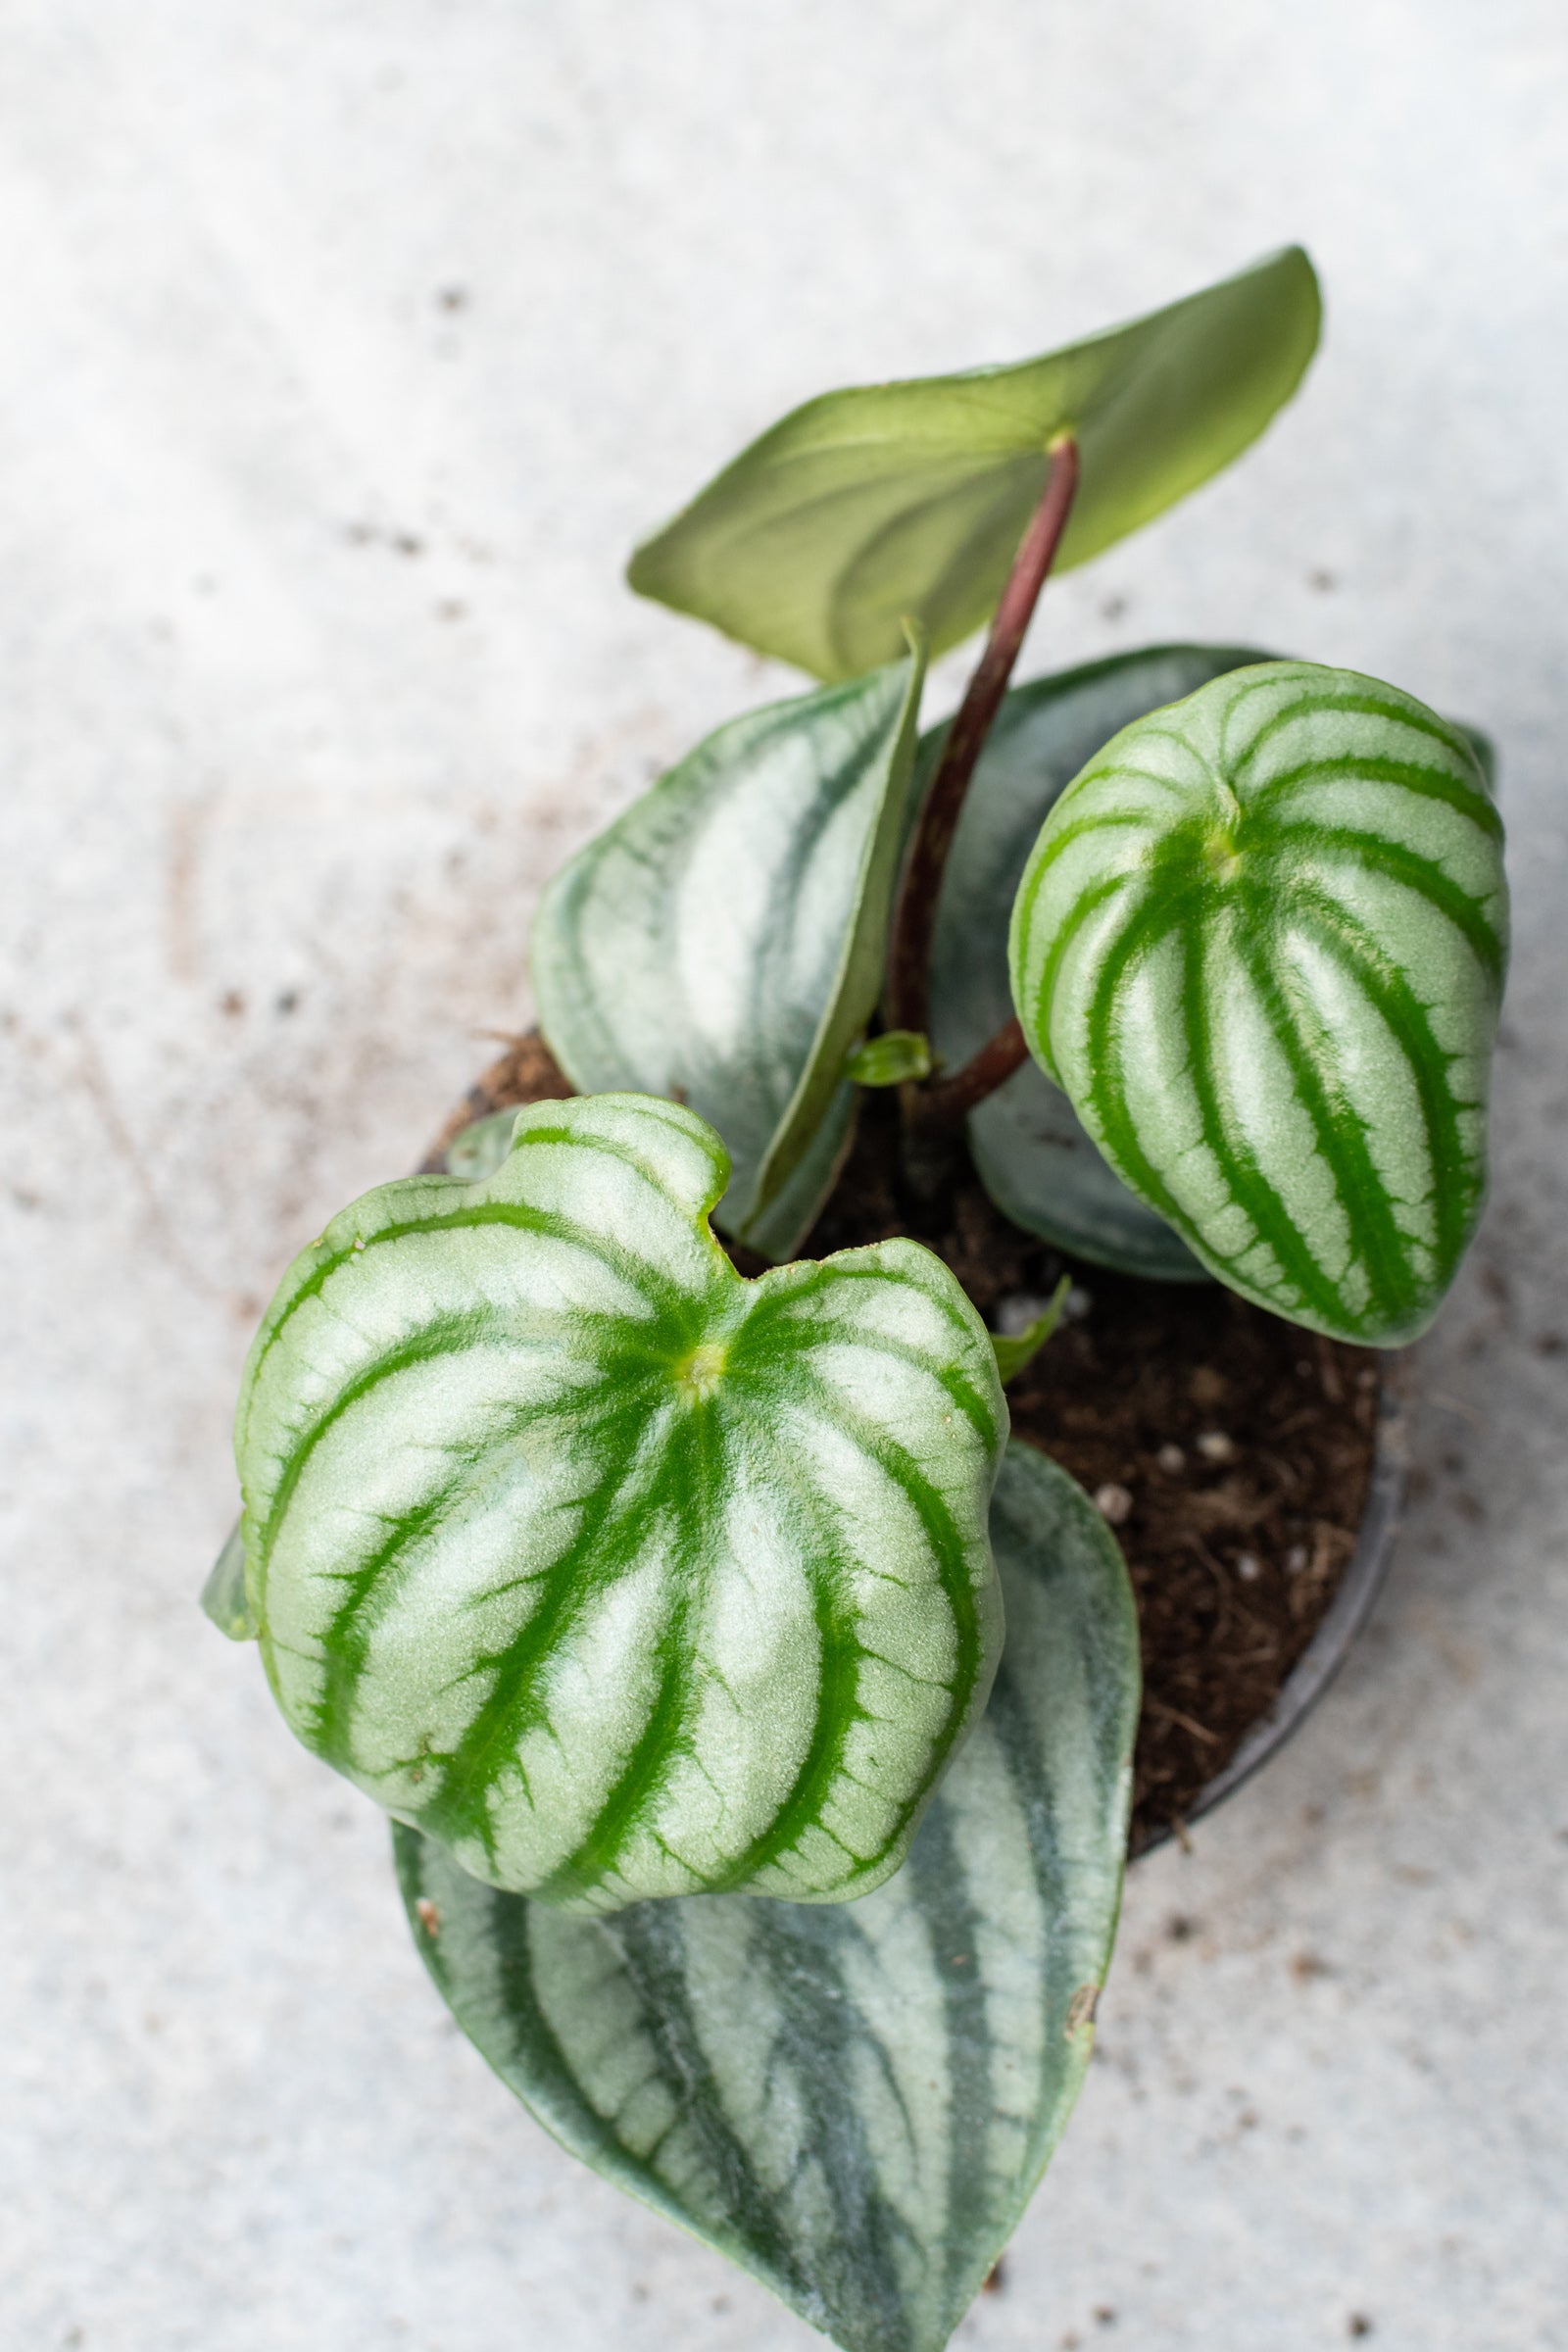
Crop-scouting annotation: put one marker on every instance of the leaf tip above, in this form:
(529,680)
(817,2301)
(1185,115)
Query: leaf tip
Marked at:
(1015,1352)
(223,1599)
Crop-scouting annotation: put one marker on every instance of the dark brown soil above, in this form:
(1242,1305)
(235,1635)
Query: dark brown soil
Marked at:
(526,1072)
(1230,1451)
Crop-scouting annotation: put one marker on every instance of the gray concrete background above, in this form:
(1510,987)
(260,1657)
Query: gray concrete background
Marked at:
(347,346)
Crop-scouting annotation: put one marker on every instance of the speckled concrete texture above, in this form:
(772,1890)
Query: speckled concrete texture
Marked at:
(346,349)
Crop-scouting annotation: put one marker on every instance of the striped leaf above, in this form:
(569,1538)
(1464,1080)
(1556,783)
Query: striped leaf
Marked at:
(853,2103)
(1030,1150)
(619,1574)
(724,941)
(888,500)
(1262,942)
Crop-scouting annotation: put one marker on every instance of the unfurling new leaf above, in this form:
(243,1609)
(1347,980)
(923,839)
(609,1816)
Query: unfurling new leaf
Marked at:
(1261,943)
(894,1058)
(615,1573)
(223,1601)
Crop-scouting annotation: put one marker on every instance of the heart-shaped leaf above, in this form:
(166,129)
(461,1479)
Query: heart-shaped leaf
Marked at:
(853,2103)
(620,1574)
(724,941)
(1030,1151)
(1261,943)
(910,499)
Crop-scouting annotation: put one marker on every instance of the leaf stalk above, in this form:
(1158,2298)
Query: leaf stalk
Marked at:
(914,924)
(948,1101)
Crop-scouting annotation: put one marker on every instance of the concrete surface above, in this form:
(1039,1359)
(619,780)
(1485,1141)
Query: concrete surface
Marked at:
(348,344)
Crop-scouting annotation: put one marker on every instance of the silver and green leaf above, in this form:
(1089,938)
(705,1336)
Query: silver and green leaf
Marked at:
(1261,943)
(619,1574)
(853,2103)
(1030,1150)
(888,501)
(724,941)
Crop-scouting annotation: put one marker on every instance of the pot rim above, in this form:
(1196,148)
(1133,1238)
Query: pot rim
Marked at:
(1363,1579)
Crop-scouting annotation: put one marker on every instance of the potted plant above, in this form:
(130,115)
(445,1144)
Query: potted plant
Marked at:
(631,1506)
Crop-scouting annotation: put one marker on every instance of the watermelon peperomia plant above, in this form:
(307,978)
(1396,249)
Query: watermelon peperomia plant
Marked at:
(662,1603)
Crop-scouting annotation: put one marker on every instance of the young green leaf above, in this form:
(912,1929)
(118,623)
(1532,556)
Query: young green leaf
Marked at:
(894,1058)
(888,500)
(1486,752)
(1030,1151)
(618,1574)
(854,2103)
(1261,943)
(724,941)
(1016,1350)
(223,1601)
(479,1149)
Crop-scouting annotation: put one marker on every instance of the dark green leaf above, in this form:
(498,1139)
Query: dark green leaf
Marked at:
(1030,1150)
(618,1574)
(853,2103)
(724,941)
(910,499)
(1261,943)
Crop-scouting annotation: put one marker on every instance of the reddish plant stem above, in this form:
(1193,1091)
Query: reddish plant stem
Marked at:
(945,1102)
(910,961)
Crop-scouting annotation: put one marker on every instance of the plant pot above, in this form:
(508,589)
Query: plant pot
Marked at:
(1370,1392)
